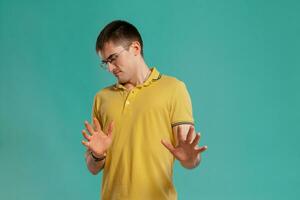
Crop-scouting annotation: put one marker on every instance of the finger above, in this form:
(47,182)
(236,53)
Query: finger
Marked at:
(97,125)
(180,135)
(196,140)
(168,146)
(86,144)
(89,127)
(85,135)
(110,129)
(201,149)
(190,134)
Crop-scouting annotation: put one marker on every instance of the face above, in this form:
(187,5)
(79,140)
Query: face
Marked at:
(122,61)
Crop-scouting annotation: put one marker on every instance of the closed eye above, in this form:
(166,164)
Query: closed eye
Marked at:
(110,58)
(113,57)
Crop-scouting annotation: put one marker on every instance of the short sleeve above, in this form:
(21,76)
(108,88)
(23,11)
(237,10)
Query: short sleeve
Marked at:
(181,106)
(96,110)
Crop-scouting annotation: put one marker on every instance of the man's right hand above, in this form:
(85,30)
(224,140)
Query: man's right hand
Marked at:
(97,141)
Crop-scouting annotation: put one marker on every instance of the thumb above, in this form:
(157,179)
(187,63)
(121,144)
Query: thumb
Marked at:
(168,145)
(110,128)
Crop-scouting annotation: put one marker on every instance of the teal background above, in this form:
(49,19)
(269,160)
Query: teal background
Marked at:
(239,59)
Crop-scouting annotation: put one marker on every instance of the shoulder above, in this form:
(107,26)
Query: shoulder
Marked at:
(172,82)
(104,92)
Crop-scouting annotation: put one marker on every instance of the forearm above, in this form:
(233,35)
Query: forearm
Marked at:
(93,166)
(190,164)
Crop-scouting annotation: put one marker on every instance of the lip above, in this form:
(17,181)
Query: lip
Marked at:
(117,73)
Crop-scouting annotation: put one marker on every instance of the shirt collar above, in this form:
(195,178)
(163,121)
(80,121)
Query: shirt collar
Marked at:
(154,76)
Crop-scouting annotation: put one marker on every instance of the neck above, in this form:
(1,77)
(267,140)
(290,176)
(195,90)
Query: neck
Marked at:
(141,75)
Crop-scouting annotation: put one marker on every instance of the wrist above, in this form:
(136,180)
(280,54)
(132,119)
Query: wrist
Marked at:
(98,157)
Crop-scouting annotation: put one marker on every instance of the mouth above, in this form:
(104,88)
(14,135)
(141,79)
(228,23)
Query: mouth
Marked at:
(116,73)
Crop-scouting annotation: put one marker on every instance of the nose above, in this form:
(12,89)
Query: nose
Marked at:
(110,66)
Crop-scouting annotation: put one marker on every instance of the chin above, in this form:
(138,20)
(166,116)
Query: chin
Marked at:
(120,80)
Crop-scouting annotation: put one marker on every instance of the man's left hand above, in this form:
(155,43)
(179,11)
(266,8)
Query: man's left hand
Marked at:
(187,151)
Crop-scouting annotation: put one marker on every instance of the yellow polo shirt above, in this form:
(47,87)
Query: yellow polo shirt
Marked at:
(137,165)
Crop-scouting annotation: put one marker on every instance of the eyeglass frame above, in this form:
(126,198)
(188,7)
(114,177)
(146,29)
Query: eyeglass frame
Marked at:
(113,57)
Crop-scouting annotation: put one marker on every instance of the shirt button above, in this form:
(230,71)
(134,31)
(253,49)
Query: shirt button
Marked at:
(127,102)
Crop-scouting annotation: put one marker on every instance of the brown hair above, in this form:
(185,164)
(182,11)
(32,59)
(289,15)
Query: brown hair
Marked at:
(119,32)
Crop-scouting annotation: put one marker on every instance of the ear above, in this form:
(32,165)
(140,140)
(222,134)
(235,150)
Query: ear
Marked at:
(136,47)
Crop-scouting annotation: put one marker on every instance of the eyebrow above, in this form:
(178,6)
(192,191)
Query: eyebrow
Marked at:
(109,57)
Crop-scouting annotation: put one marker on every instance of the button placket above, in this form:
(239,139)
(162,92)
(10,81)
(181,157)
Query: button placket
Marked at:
(129,98)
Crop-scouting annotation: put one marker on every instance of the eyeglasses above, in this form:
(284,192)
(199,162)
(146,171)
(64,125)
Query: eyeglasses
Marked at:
(112,58)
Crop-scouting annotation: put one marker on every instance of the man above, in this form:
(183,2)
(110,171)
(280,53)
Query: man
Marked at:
(140,124)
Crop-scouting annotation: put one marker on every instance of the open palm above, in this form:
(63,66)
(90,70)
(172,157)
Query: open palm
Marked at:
(97,141)
(187,149)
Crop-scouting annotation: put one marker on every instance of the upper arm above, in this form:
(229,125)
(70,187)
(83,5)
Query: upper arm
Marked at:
(181,114)
(96,110)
